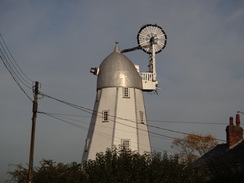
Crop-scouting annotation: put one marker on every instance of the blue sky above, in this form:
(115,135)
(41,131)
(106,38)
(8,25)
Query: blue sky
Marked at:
(200,72)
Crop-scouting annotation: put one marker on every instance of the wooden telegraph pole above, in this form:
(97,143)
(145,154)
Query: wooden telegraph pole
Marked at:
(32,143)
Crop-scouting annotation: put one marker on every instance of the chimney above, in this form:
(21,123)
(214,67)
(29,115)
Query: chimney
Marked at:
(234,134)
(238,120)
(231,120)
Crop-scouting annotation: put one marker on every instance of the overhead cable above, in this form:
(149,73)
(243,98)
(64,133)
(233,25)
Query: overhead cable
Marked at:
(90,111)
(13,68)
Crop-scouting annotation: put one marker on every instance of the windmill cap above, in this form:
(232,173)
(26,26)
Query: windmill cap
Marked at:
(117,70)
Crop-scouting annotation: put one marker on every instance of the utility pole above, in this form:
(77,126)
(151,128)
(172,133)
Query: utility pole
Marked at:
(32,143)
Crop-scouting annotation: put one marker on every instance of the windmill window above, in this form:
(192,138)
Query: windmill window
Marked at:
(105,114)
(142,117)
(125,143)
(87,145)
(126,92)
(98,95)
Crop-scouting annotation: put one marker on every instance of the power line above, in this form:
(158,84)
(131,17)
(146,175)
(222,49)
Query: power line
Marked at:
(175,131)
(16,81)
(13,68)
(71,115)
(25,78)
(149,120)
(64,119)
(152,134)
(90,111)
(187,122)
(85,128)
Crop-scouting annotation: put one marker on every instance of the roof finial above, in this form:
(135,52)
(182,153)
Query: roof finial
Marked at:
(116,49)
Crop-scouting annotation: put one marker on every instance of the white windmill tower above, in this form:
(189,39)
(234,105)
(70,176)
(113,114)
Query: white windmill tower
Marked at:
(119,115)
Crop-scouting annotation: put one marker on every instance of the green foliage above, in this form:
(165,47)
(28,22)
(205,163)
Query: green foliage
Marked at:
(122,166)
(117,165)
(113,166)
(19,175)
(48,172)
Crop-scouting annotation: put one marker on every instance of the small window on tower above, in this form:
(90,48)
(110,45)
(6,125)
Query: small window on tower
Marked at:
(105,115)
(125,143)
(126,92)
(98,95)
(142,117)
(87,145)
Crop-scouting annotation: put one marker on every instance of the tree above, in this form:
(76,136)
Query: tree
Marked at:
(116,165)
(193,146)
(48,172)
(122,166)
(19,175)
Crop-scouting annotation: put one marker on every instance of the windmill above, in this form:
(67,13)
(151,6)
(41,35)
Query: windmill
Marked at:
(119,115)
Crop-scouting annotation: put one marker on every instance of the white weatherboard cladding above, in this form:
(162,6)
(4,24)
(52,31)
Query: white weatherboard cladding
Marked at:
(142,129)
(125,126)
(124,122)
(100,133)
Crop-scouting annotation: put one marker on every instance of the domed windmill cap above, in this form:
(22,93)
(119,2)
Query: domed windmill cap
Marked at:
(117,70)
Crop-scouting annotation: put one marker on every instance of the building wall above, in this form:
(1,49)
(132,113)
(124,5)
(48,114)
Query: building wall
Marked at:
(125,127)
(126,121)
(143,136)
